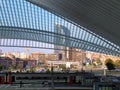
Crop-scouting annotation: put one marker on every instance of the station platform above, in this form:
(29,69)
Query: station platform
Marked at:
(16,87)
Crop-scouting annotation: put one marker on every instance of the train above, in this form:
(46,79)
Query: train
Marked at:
(29,78)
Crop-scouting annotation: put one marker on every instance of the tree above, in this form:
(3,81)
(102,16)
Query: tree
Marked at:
(99,62)
(110,64)
(1,67)
(63,66)
(94,64)
(12,67)
(18,66)
(32,69)
(117,63)
(72,66)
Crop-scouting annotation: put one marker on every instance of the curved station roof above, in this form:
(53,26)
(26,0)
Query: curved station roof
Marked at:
(99,16)
(61,22)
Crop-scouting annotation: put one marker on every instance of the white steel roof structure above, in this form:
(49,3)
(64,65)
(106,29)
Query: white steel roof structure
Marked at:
(26,23)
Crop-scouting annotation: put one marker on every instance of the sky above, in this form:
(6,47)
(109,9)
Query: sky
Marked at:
(21,49)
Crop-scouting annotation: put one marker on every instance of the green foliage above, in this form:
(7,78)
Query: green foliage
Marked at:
(110,64)
(94,64)
(32,69)
(72,66)
(62,66)
(99,62)
(108,60)
(117,63)
(18,66)
(1,67)
(12,67)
